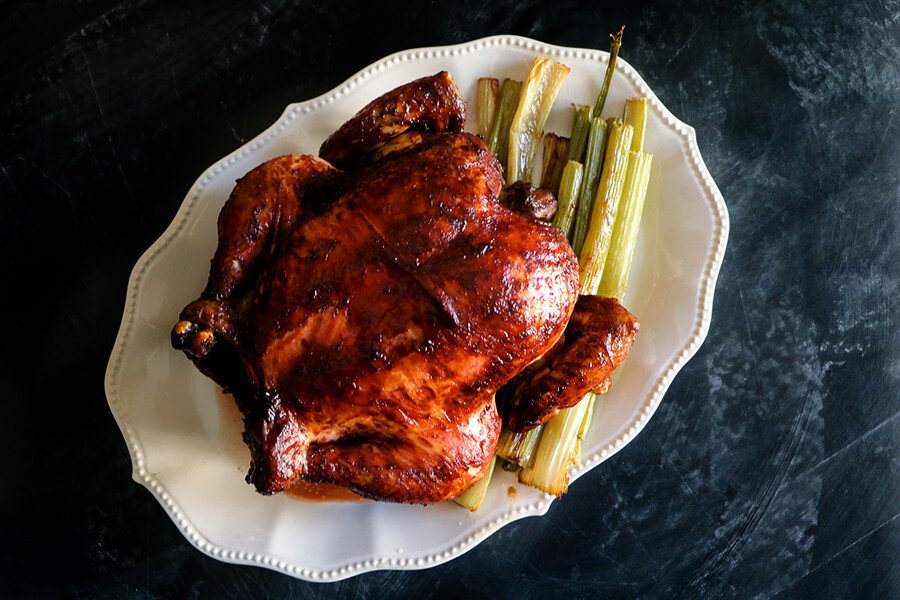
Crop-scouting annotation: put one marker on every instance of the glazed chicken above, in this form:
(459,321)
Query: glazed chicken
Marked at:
(365,318)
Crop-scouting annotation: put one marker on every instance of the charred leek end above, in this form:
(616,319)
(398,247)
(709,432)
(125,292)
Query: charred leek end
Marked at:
(549,473)
(636,116)
(508,466)
(592,257)
(624,236)
(472,497)
(498,141)
(518,448)
(556,149)
(551,141)
(610,69)
(488,89)
(569,190)
(541,87)
(581,128)
(592,169)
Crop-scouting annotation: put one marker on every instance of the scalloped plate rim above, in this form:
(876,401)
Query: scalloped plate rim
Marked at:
(140,475)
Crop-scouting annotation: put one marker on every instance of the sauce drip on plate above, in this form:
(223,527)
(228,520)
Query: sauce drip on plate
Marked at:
(322,492)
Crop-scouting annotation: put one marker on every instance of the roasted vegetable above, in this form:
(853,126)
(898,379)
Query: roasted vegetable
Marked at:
(556,149)
(544,81)
(488,89)
(592,257)
(581,128)
(614,47)
(624,236)
(498,141)
(592,168)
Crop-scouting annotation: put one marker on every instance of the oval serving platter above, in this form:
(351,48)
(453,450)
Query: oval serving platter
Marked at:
(184,434)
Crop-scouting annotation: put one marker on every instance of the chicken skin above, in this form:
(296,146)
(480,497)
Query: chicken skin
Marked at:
(365,318)
(598,337)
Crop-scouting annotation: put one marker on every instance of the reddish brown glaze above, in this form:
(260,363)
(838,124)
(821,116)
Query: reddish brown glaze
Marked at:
(376,333)
(597,339)
(426,105)
(322,492)
(262,209)
(364,320)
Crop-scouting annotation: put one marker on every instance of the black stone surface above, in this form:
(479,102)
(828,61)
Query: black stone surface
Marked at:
(771,468)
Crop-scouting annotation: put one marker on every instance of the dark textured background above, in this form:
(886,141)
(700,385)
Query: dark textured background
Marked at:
(771,467)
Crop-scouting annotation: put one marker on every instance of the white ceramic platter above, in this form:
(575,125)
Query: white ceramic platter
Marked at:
(185,436)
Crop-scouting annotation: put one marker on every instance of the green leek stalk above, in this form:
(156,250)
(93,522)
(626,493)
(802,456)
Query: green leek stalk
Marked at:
(498,141)
(549,472)
(569,191)
(592,257)
(636,116)
(518,448)
(628,221)
(624,235)
(535,102)
(590,400)
(487,91)
(581,128)
(592,168)
(614,46)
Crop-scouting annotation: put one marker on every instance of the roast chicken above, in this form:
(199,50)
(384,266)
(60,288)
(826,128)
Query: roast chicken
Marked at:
(364,307)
